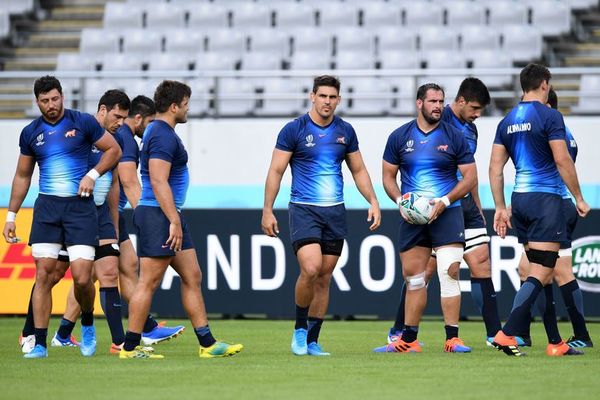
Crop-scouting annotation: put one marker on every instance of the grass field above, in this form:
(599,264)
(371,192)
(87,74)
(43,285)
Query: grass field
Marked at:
(267,370)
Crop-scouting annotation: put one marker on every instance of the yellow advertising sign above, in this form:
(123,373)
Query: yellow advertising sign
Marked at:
(17,272)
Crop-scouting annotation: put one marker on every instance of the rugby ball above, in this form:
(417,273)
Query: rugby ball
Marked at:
(415,208)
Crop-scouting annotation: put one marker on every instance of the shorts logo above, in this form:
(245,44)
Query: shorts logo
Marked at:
(586,263)
(442,147)
(409,146)
(40,139)
(341,140)
(309,141)
(70,133)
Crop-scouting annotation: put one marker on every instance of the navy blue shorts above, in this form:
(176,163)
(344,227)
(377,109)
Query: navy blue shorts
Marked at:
(152,227)
(68,220)
(570,213)
(538,217)
(471,213)
(449,227)
(321,224)
(106,227)
(123,232)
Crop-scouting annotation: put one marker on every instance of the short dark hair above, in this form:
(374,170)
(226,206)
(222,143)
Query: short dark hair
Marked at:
(326,80)
(114,97)
(143,106)
(473,89)
(553,99)
(46,84)
(533,75)
(170,92)
(422,91)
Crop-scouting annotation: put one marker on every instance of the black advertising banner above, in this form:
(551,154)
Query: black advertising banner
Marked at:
(246,272)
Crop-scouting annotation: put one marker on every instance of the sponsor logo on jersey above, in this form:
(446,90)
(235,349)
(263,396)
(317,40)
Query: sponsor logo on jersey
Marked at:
(70,133)
(409,146)
(309,141)
(40,139)
(442,147)
(586,262)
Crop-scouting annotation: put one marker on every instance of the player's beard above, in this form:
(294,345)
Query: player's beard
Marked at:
(56,113)
(430,118)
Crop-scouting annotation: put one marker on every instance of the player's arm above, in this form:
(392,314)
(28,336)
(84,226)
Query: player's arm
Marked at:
(464,186)
(159,171)
(20,187)
(113,200)
(498,160)
(390,184)
(111,155)
(279,162)
(129,180)
(363,182)
(567,171)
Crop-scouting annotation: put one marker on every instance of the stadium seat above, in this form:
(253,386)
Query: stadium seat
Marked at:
(281,96)
(582,4)
(249,15)
(551,17)
(423,13)
(333,15)
(121,62)
(366,96)
(390,39)
(208,16)
(378,14)
(170,61)
(226,41)
(4,24)
(450,84)
(270,40)
(141,43)
(493,58)
(121,15)
(94,42)
(463,13)
(259,60)
(312,39)
(17,6)
(475,38)
(164,15)
(312,59)
(211,61)
(589,95)
(137,86)
(235,96)
(354,59)
(73,62)
(403,89)
(201,96)
(433,38)
(443,59)
(294,15)
(189,41)
(522,42)
(399,60)
(506,12)
(94,88)
(354,39)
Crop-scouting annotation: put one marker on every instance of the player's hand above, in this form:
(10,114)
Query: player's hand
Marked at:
(583,208)
(175,240)
(10,233)
(502,222)
(269,225)
(375,216)
(438,208)
(86,187)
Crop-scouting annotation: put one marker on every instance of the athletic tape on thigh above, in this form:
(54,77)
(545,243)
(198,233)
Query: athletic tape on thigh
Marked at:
(81,251)
(475,238)
(545,258)
(416,282)
(45,250)
(106,250)
(446,256)
(565,252)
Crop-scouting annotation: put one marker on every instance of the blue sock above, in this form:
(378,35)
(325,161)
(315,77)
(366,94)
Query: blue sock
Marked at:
(41,335)
(301,317)
(150,324)
(410,333)
(132,340)
(549,317)
(205,337)
(314,328)
(110,300)
(399,323)
(520,317)
(484,296)
(65,329)
(573,299)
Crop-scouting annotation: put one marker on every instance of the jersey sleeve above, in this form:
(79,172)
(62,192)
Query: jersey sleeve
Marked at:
(286,138)
(91,127)
(162,147)
(391,153)
(130,150)
(463,152)
(352,145)
(498,137)
(24,144)
(555,126)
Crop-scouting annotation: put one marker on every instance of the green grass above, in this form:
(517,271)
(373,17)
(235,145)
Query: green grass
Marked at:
(267,370)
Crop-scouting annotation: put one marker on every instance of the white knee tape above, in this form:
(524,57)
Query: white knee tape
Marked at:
(446,256)
(81,251)
(416,282)
(45,250)
(565,252)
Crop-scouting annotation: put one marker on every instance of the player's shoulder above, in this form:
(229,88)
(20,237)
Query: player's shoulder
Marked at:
(447,113)
(342,123)
(32,127)
(449,129)
(404,130)
(297,125)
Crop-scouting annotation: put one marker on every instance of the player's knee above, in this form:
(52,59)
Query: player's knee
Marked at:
(415,282)
(545,258)
(82,280)
(106,250)
(324,280)
(448,265)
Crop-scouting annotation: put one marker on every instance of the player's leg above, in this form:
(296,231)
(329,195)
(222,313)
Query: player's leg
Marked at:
(63,336)
(27,336)
(524,338)
(310,260)
(82,260)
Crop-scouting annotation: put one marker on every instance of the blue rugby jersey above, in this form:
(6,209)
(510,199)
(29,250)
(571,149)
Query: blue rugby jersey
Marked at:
(131,153)
(317,158)
(572,147)
(160,141)
(428,162)
(525,132)
(468,129)
(61,150)
(102,185)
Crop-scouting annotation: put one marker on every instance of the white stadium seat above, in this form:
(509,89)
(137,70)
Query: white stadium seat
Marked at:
(212,61)
(506,12)
(377,14)
(234,87)
(249,15)
(332,15)
(164,15)
(391,39)
(274,97)
(404,89)
(312,39)
(522,42)
(207,16)
(354,59)
(97,41)
(551,17)
(399,60)
(374,92)
(141,43)
(493,58)
(122,15)
(438,38)
(226,41)
(294,15)
(589,95)
(121,62)
(422,13)
(170,61)
(270,40)
(464,12)
(475,38)
(443,59)
(201,96)
(184,41)
(316,59)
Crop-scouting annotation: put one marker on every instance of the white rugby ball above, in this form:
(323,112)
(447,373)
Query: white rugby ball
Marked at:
(415,208)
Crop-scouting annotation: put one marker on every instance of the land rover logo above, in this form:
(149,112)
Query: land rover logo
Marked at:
(586,262)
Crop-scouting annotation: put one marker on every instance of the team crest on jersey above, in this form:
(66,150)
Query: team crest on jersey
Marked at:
(442,147)
(309,141)
(40,139)
(95,149)
(409,146)
(341,140)
(573,143)
(70,133)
